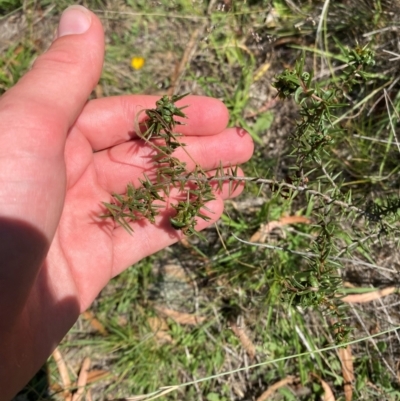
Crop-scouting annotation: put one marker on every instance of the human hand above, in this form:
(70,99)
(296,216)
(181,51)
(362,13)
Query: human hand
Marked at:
(61,157)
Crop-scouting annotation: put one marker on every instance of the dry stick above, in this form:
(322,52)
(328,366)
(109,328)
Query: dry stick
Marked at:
(299,188)
(62,369)
(82,380)
(190,51)
(187,56)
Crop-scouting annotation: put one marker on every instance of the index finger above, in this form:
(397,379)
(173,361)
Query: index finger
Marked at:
(110,121)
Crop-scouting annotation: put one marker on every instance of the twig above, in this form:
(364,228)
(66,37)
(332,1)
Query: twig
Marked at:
(82,380)
(62,369)
(189,51)
(299,188)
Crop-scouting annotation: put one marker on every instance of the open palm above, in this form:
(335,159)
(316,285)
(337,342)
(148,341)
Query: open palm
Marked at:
(102,156)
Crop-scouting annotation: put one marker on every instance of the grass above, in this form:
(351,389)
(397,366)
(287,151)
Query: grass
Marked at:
(258,302)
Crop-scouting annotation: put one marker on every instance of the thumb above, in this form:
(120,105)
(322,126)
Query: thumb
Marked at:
(62,78)
(36,114)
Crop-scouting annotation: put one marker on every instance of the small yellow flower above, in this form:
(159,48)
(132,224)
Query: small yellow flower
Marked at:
(137,63)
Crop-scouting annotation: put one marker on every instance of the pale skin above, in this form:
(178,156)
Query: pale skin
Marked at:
(60,158)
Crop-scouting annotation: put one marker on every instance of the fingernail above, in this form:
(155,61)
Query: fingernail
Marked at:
(74,20)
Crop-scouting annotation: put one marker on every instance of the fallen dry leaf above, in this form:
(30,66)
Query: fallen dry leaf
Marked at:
(96,375)
(62,369)
(272,389)
(176,272)
(160,329)
(261,234)
(346,360)
(180,317)
(244,339)
(369,296)
(157,324)
(328,394)
(95,323)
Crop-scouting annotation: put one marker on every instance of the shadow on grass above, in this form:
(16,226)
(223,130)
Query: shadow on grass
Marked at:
(38,389)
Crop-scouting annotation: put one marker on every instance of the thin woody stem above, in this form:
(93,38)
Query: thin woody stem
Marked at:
(300,188)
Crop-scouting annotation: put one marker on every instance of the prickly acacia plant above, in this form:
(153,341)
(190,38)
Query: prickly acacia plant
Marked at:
(319,103)
(146,201)
(316,281)
(322,105)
